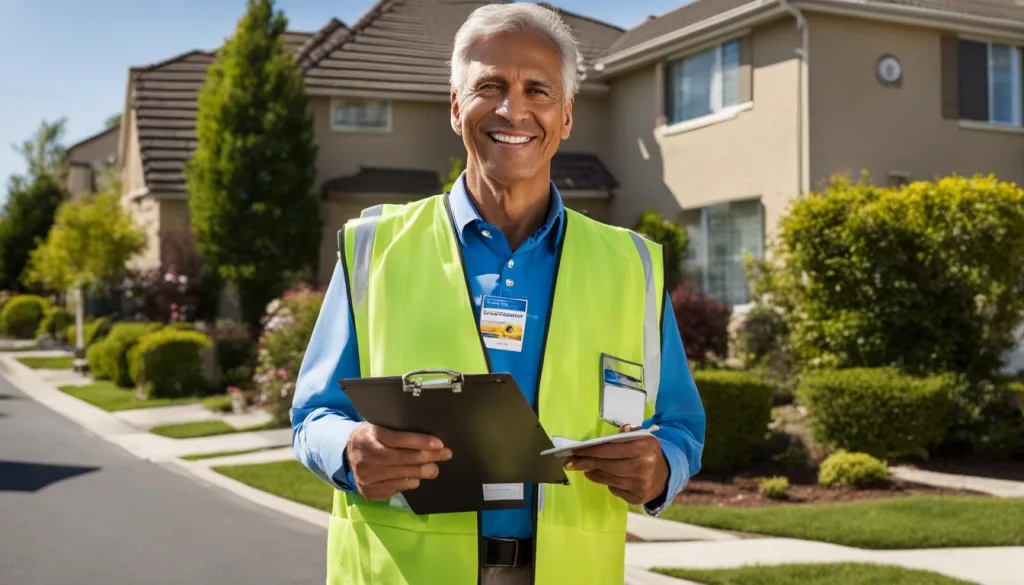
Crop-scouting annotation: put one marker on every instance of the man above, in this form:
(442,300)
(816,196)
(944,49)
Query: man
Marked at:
(408,293)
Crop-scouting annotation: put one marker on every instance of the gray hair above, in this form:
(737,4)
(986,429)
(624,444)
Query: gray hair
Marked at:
(493,19)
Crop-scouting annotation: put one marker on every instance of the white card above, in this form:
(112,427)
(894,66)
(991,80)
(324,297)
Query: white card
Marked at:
(563,447)
(503,491)
(622,406)
(503,323)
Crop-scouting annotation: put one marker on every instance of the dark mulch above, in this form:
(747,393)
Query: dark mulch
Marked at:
(741,489)
(996,469)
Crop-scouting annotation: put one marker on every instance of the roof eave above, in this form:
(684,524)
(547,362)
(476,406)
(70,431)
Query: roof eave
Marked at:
(917,16)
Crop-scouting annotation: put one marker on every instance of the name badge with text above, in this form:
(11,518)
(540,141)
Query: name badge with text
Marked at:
(622,391)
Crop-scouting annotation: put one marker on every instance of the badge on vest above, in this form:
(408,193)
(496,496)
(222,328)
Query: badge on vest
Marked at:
(503,322)
(622,391)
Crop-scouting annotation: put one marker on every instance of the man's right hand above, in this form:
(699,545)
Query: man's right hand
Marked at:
(386,462)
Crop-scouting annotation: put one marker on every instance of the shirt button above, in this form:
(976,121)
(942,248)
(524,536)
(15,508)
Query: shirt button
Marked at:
(511,263)
(509,282)
(486,233)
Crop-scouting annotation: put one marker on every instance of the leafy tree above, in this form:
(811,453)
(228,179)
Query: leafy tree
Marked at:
(112,121)
(672,238)
(457,165)
(45,152)
(254,214)
(27,217)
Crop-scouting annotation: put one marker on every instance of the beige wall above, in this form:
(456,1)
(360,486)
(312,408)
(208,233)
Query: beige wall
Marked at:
(591,131)
(96,150)
(751,155)
(146,214)
(857,123)
(131,173)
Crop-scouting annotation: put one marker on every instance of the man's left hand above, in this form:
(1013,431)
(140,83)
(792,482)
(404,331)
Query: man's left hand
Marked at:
(635,470)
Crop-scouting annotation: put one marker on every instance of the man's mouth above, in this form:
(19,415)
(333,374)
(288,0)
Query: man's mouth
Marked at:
(510,139)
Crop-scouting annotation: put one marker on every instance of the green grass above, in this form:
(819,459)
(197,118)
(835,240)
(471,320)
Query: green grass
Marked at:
(220,454)
(897,523)
(48,363)
(112,398)
(288,479)
(206,428)
(813,574)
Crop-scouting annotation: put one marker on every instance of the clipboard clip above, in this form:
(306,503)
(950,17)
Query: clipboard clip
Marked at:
(414,382)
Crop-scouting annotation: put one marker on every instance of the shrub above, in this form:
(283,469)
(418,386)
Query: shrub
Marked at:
(856,470)
(879,411)
(928,277)
(760,335)
(168,294)
(169,363)
(774,487)
(795,456)
(95,355)
(703,322)
(55,322)
(218,403)
(672,238)
(22,315)
(287,327)
(95,330)
(738,408)
(112,355)
(236,352)
(988,421)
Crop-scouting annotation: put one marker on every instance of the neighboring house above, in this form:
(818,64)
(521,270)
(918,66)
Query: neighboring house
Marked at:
(91,162)
(716,113)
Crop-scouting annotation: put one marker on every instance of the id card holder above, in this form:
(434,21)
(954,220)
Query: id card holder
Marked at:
(622,391)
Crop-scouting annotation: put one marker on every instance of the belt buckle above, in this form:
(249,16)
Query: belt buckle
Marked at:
(515,557)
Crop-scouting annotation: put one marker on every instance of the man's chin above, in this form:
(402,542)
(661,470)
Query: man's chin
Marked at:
(510,171)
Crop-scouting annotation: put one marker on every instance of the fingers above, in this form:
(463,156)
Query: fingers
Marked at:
(402,440)
(386,473)
(388,456)
(619,467)
(630,497)
(386,489)
(625,450)
(603,478)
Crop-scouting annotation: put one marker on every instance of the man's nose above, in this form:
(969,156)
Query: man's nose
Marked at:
(513,106)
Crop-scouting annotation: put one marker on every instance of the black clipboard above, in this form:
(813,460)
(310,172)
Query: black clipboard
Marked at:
(493,432)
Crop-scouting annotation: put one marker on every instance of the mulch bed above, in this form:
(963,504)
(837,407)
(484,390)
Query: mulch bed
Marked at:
(741,490)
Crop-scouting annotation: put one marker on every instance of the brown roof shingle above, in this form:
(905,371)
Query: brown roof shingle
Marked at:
(386,180)
(404,46)
(581,171)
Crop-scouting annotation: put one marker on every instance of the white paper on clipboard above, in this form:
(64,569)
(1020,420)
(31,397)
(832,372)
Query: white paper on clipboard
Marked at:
(564,446)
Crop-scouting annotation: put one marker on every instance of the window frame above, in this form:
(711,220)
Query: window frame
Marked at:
(697,253)
(1015,90)
(671,72)
(386,129)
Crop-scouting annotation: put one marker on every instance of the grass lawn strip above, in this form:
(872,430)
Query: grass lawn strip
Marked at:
(206,428)
(287,479)
(48,363)
(813,574)
(112,398)
(898,523)
(221,454)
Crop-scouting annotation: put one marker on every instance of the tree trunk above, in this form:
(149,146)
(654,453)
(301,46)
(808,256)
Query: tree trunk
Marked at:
(80,365)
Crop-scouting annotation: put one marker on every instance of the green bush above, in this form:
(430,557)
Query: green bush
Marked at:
(236,352)
(22,315)
(774,487)
(218,403)
(856,470)
(879,411)
(95,330)
(928,277)
(112,357)
(54,323)
(95,356)
(672,238)
(169,363)
(738,406)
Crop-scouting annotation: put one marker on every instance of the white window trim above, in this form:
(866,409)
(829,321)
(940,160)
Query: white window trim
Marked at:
(1015,90)
(361,129)
(716,89)
(722,115)
(991,127)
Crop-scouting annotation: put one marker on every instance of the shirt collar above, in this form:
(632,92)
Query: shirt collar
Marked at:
(465,214)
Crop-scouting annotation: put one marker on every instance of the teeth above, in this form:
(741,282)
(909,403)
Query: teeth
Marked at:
(510,139)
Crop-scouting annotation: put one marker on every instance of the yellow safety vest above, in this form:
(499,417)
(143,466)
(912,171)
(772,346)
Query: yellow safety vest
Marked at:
(412,310)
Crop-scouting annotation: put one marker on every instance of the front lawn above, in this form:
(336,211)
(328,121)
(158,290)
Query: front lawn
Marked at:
(216,454)
(206,428)
(49,363)
(897,523)
(111,397)
(288,479)
(813,574)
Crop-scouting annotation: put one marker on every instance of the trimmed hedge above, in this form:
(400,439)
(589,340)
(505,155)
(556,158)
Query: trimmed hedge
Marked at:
(879,411)
(111,354)
(22,315)
(95,330)
(854,470)
(55,322)
(738,406)
(169,363)
(94,356)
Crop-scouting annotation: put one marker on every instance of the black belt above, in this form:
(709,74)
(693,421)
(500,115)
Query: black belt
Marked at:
(508,552)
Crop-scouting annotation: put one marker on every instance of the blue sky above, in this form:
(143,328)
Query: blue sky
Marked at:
(70,58)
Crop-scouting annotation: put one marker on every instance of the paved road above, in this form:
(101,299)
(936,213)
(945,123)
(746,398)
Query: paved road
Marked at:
(77,510)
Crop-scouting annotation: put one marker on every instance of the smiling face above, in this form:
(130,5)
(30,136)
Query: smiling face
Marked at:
(512,113)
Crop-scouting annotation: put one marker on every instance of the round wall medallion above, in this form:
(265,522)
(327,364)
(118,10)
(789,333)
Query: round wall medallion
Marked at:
(890,70)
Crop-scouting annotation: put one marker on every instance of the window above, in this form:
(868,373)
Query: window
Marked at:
(352,114)
(982,82)
(703,84)
(719,236)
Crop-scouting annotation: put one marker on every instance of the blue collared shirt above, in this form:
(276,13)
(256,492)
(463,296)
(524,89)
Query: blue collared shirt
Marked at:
(323,417)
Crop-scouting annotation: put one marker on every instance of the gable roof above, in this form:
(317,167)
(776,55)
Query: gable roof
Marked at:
(164,97)
(404,46)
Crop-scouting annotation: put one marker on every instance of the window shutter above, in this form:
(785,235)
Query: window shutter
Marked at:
(746,72)
(668,90)
(973,80)
(950,77)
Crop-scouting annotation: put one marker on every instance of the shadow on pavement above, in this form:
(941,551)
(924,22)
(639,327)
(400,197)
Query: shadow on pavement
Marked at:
(9,397)
(18,476)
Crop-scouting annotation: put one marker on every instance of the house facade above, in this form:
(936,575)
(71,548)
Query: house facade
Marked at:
(89,161)
(716,114)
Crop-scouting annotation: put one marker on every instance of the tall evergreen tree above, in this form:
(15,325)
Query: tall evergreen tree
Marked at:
(254,215)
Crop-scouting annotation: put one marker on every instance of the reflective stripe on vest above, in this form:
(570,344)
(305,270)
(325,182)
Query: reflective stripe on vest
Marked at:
(416,312)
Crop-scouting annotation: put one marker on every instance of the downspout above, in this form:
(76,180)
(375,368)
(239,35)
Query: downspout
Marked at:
(802,122)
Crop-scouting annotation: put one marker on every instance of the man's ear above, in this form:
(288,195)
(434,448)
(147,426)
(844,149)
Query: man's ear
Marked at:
(567,119)
(456,117)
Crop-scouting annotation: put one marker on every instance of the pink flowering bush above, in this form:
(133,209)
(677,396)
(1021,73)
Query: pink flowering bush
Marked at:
(287,327)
